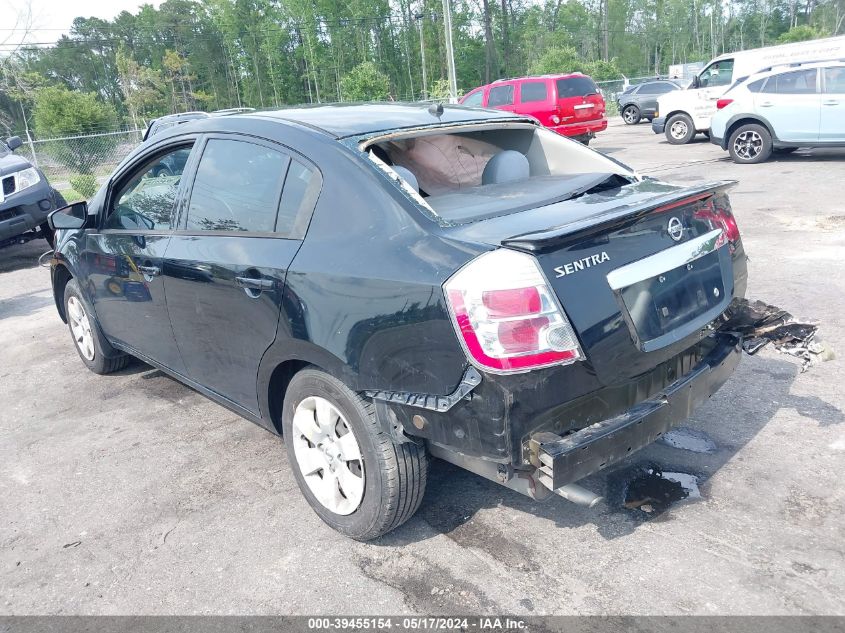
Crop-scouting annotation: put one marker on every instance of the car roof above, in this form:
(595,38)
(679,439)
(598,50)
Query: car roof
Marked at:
(786,67)
(342,120)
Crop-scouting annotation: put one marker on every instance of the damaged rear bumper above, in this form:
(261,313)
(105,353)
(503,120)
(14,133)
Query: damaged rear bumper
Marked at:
(561,460)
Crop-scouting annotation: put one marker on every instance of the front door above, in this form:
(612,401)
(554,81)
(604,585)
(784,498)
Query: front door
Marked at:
(226,265)
(832,128)
(124,257)
(791,104)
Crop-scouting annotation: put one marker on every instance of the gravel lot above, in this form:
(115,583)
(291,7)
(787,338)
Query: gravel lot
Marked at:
(132,494)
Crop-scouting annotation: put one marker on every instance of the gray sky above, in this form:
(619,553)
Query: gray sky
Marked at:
(51,18)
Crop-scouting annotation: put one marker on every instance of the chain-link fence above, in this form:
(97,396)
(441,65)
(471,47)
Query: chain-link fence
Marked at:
(610,89)
(72,163)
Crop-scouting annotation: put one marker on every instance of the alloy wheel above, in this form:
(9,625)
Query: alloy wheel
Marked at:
(629,115)
(748,145)
(80,327)
(328,455)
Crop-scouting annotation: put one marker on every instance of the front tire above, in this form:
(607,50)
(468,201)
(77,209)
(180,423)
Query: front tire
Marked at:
(750,144)
(354,476)
(631,115)
(680,129)
(89,342)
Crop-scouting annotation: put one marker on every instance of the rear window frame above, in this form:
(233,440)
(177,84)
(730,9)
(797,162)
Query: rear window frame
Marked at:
(558,81)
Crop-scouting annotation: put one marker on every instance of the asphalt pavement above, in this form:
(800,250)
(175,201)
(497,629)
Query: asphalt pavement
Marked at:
(133,494)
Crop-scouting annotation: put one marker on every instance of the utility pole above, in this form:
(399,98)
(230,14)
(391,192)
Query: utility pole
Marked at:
(419,17)
(450,52)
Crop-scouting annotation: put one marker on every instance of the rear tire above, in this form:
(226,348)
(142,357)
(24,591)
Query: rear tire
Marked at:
(680,129)
(90,344)
(362,487)
(750,144)
(631,115)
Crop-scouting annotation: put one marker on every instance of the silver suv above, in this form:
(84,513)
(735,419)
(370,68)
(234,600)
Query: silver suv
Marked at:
(781,109)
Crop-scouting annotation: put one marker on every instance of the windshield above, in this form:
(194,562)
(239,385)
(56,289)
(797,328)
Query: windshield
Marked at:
(466,176)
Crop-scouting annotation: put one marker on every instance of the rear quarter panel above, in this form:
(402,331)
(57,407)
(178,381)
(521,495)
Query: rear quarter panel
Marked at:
(363,296)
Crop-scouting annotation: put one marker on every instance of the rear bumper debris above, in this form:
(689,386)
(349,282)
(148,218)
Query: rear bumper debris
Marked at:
(760,324)
(564,460)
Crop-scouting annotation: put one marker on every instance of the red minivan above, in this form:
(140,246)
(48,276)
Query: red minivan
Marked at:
(567,104)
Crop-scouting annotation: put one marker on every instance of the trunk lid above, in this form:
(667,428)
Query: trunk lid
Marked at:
(639,270)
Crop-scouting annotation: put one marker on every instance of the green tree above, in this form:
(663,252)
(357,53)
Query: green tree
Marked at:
(801,33)
(61,112)
(365,82)
(557,59)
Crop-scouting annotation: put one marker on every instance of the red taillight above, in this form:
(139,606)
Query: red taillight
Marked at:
(719,218)
(511,302)
(721,103)
(506,315)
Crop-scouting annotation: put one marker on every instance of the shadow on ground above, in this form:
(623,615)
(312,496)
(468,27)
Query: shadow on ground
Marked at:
(20,256)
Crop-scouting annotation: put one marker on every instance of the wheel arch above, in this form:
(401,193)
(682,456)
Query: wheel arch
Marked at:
(281,363)
(744,119)
(61,277)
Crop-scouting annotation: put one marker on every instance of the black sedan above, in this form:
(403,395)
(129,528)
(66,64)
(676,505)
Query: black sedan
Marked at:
(381,283)
(639,101)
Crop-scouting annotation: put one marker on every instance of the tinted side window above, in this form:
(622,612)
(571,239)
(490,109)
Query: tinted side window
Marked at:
(575,87)
(834,80)
(649,89)
(237,187)
(531,91)
(656,88)
(302,186)
(796,82)
(475,99)
(145,201)
(500,95)
(755,86)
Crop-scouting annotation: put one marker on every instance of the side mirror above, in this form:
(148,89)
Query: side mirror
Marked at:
(14,142)
(696,82)
(73,216)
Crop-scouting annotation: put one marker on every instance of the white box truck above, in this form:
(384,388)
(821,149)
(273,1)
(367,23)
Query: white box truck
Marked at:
(681,114)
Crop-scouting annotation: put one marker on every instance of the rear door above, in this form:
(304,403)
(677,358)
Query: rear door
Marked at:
(791,103)
(648,93)
(501,97)
(832,127)
(249,206)
(125,256)
(578,99)
(534,98)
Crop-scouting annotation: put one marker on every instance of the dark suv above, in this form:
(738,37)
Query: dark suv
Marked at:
(26,197)
(380,283)
(640,101)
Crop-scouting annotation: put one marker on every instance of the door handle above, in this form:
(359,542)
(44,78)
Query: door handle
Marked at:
(252,283)
(150,271)
(831,102)
(766,104)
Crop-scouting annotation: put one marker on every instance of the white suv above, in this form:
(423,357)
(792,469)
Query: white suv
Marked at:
(782,109)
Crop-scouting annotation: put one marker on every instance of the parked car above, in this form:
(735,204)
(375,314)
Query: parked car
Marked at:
(640,101)
(168,121)
(570,104)
(26,198)
(684,113)
(800,105)
(380,283)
